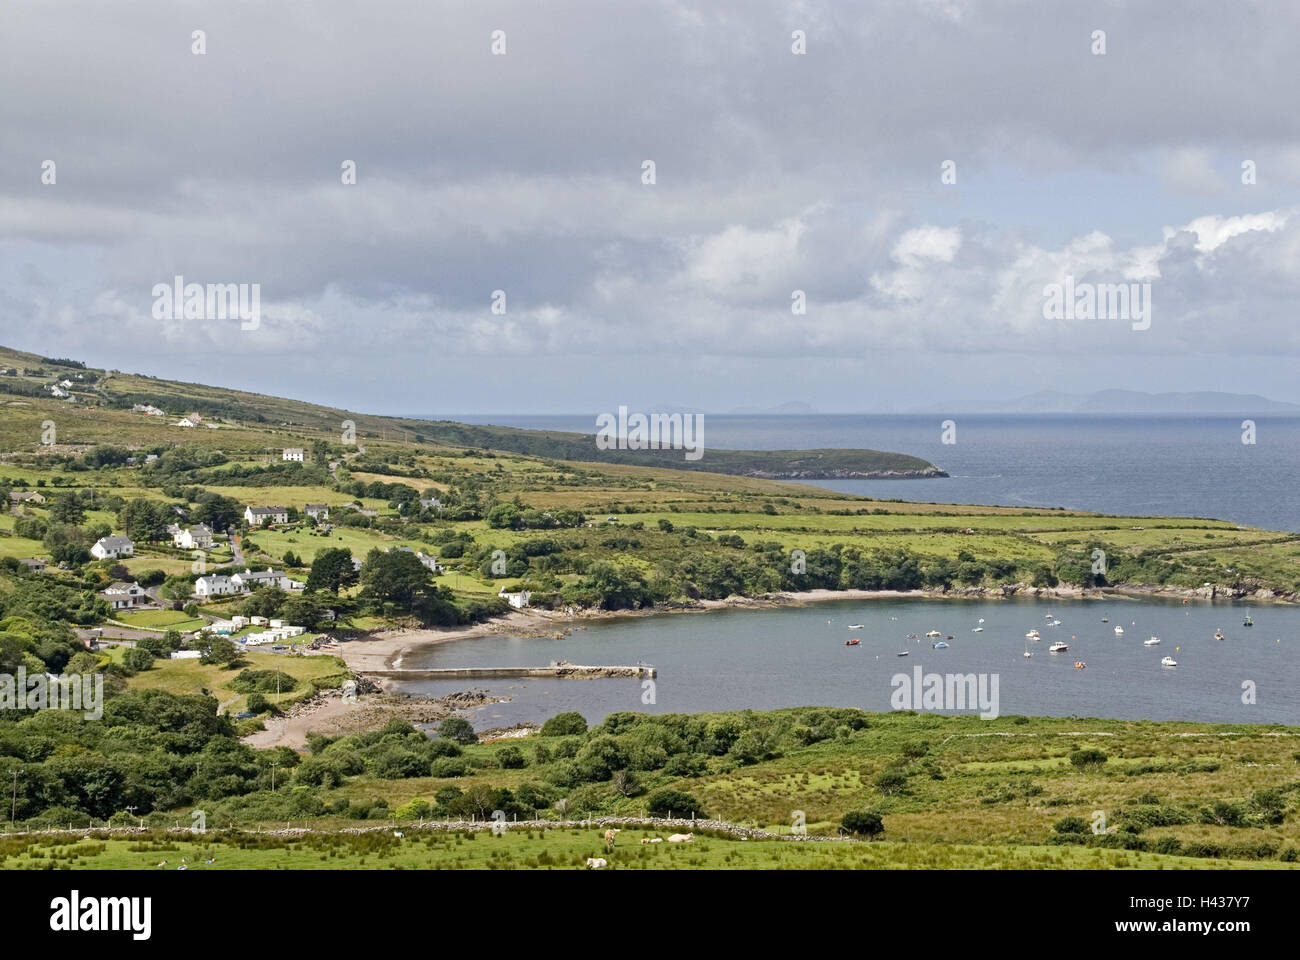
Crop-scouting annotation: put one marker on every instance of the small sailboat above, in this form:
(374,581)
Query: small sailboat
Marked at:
(1055,623)
(852,643)
(939,645)
(977,630)
(1218,634)
(902,653)
(1105,619)
(1151,642)
(981,620)
(1033,635)
(1119,631)
(1027,654)
(1168,662)
(856,626)
(1058,647)
(1050,616)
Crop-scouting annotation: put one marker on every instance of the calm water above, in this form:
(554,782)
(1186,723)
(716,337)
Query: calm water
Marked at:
(764,659)
(1177,465)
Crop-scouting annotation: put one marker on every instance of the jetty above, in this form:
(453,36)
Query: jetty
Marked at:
(559,669)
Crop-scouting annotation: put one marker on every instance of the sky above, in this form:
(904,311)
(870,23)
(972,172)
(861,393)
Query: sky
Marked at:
(923,172)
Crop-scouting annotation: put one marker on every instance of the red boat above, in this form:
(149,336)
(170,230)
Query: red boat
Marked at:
(852,643)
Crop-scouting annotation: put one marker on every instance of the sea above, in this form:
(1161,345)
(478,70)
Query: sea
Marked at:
(1179,465)
(1195,466)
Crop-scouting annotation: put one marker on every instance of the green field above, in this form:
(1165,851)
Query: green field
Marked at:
(538,849)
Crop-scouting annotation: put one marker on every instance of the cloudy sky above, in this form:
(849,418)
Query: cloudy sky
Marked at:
(774,172)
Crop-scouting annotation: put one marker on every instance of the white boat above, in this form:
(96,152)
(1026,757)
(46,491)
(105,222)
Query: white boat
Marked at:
(934,633)
(1168,662)
(1151,643)
(978,630)
(1119,631)
(1033,635)
(856,626)
(902,653)
(939,645)
(1055,623)
(1028,654)
(1058,647)
(1050,616)
(981,620)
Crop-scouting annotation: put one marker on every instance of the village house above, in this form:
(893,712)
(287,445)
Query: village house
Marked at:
(184,422)
(292,453)
(106,547)
(318,511)
(250,580)
(194,538)
(148,409)
(26,496)
(214,585)
(516,600)
(34,564)
(124,596)
(432,503)
(256,516)
(59,392)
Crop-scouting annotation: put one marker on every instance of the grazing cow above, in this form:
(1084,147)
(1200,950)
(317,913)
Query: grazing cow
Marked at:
(609,839)
(681,838)
(595,863)
(645,839)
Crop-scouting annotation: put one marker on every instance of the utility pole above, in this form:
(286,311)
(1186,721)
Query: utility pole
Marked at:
(13,810)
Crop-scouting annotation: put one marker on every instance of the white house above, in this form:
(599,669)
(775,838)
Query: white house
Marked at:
(256,516)
(320,511)
(516,600)
(195,538)
(184,422)
(148,409)
(215,585)
(250,580)
(123,596)
(106,547)
(59,392)
(432,503)
(292,453)
(430,562)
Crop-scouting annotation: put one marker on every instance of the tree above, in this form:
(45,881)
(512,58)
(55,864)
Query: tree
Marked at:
(331,570)
(67,508)
(213,649)
(565,725)
(458,730)
(675,803)
(863,823)
(397,581)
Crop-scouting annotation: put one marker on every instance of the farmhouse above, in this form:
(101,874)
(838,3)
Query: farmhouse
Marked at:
(107,547)
(250,580)
(516,600)
(185,422)
(256,516)
(194,538)
(319,511)
(292,453)
(26,496)
(214,585)
(34,564)
(124,596)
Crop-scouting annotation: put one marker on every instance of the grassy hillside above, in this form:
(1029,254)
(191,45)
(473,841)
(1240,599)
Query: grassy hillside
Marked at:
(261,418)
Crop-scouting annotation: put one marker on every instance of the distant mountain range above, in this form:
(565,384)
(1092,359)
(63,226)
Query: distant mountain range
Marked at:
(1136,401)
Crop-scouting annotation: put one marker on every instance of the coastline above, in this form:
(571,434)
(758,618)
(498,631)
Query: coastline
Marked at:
(385,650)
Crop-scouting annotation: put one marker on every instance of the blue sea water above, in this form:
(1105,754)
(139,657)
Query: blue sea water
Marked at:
(1183,465)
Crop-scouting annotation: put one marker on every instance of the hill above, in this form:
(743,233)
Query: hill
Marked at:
(96,393)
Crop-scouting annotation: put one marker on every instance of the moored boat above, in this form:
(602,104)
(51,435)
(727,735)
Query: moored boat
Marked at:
(1058,647)
(1169,662)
